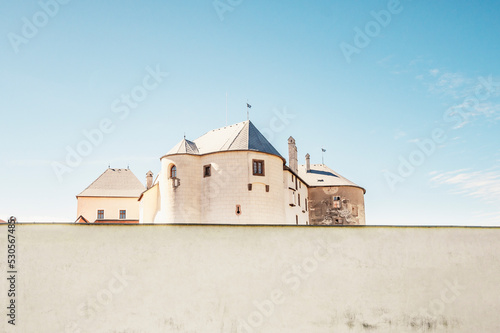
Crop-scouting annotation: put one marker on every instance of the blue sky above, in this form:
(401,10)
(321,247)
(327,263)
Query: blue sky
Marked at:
(423,67)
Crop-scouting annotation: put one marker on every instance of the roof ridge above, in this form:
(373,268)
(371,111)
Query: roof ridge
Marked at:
(218,129)
(114,183)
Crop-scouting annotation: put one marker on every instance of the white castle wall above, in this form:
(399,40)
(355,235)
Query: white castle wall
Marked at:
(213,199)
(181,204)
(292,196)
(150,204)
(165,278)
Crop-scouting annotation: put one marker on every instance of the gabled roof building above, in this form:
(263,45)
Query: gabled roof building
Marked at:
(111,198)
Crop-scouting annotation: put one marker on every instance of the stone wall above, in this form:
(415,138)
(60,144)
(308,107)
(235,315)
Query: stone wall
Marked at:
(337,205)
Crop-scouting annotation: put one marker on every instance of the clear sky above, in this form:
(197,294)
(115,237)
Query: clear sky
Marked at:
(404,96)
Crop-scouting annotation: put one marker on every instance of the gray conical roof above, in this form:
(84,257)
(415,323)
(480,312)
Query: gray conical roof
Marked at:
(240,136)
(184,147)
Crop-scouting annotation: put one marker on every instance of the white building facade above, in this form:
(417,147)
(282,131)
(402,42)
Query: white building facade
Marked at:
(233,175)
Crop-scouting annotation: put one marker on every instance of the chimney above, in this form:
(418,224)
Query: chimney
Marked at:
(292,155)
(149,179)
(308,163)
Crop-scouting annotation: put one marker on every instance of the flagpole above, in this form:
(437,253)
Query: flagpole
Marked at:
(322,156)
(248,110)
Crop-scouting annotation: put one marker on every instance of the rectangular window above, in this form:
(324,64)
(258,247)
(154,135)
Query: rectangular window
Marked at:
(258,167)
(249,187)
(267,188)
(296,219)
(305,202)
(100,214)
(123,214)
(207,171)
(299,199)
(336,202)
(291,198)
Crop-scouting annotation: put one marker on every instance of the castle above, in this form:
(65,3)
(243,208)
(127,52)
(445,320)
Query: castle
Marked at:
(230,175)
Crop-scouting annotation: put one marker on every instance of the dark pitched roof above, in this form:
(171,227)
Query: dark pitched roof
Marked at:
(240,136)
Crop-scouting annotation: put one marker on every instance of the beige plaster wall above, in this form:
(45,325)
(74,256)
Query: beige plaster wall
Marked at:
(88,206)
(167,278)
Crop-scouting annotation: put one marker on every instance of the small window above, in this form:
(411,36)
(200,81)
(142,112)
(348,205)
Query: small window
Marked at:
(296,183)
(298,199)
(305,203)
(336,202)
(267,188)
(296,219)
(258,168)
(100,214)
(238,210)
(249,187)
(292,178)
(300,184)
(123,214)
(173,172)
(207,171)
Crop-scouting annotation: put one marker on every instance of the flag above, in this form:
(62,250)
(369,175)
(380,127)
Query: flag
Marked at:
(249,106)
(323,150)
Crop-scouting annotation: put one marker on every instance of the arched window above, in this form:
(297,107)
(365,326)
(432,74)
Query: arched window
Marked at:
(173,172)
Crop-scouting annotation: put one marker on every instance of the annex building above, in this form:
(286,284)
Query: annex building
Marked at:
(111,198)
